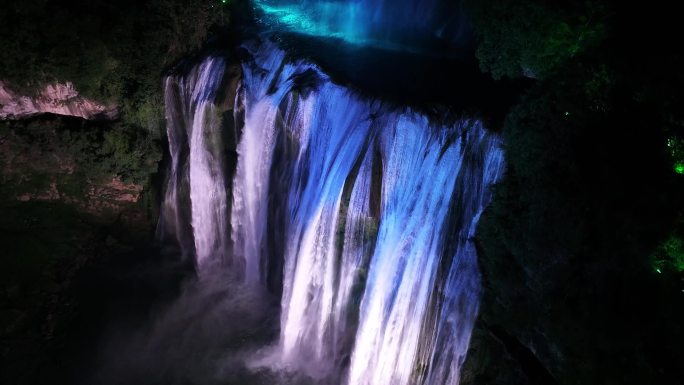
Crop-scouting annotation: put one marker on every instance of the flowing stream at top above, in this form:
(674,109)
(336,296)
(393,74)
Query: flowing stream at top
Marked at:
(359,215)
(396,24)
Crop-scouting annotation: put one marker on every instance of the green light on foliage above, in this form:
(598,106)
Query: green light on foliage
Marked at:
(676,149)
(567,113)
(679,168)
(669,256)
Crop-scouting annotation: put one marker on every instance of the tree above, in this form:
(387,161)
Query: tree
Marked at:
(534,38)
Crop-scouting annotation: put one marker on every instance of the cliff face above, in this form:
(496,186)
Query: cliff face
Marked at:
(58,98)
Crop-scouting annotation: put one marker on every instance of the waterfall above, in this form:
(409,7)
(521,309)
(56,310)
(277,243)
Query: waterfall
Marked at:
(379,273)
(197,169)
(250,194)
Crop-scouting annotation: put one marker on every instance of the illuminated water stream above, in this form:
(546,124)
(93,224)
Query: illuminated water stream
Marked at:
(379,278)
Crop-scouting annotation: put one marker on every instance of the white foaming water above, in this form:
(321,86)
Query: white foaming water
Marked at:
(341,132)
(380,283)
(250,186)
(194,125)
(420,175)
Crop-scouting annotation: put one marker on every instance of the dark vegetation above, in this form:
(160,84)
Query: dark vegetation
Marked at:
(55,220)
(113,51)
(64,276)
(535,38)
(94,150)
(582,246)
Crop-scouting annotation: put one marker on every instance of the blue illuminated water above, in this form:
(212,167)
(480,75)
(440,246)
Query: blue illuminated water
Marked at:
(397,24)
(380,283)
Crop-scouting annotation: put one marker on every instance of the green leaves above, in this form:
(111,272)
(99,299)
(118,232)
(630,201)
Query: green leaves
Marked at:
(675,146)
(533,38)
(669,256)
(128,153)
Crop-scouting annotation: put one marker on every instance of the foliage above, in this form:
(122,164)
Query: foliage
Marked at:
(99,150)
(587,209)
(572,173)
(113,52)
(569,232)
(676,147)
(126,152)
(669,256)
(534,38)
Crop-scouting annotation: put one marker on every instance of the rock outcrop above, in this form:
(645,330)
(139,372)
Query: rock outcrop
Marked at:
(58,98)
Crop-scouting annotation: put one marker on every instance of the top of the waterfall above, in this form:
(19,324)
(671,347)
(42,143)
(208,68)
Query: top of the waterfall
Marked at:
(408,25)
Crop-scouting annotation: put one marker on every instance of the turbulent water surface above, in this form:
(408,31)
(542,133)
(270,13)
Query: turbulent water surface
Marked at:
(356,217)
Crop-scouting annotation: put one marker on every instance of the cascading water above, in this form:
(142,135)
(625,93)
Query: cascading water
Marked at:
(380,282)
(250,195)
(197,165)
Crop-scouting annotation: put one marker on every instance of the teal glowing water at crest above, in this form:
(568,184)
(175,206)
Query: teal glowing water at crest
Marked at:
(397,24)
(363,213)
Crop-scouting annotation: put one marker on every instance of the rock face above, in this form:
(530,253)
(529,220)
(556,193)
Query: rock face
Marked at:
(59,98)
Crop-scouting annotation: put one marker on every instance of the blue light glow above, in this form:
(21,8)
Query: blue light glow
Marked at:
(401,24)
(326,18)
